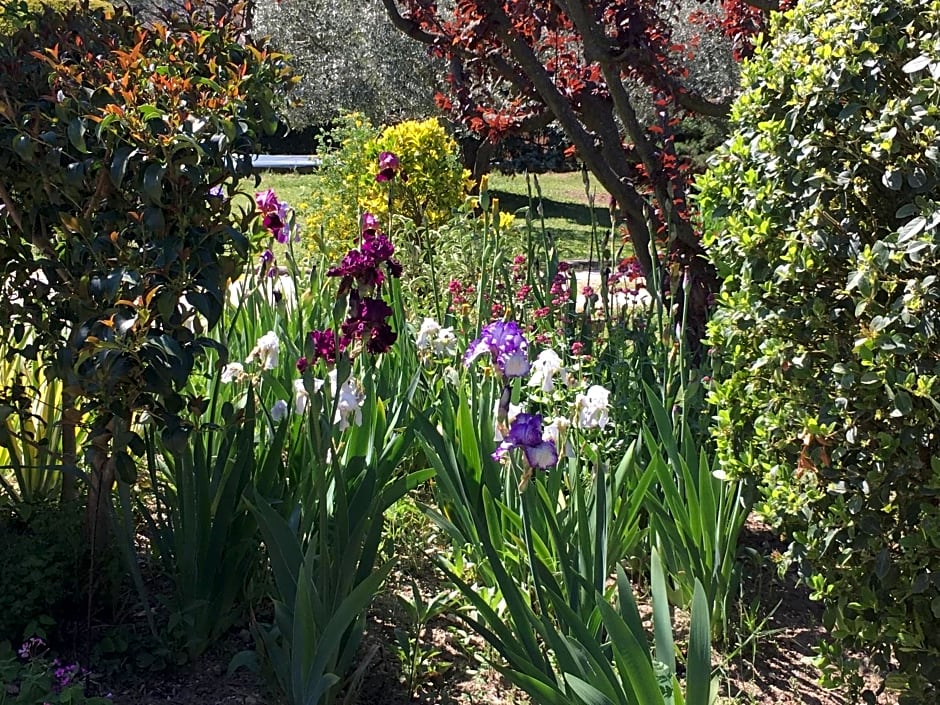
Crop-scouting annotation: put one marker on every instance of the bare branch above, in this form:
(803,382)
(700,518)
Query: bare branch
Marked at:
(765,5)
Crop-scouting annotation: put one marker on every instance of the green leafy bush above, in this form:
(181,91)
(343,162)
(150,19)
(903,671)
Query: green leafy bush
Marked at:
(825,225)
(121,146)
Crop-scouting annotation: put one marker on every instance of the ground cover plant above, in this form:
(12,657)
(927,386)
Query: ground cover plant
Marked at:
(437,391)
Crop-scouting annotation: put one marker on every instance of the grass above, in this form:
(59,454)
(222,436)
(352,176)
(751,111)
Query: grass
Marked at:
(566,208)
(290,187)
(570,215)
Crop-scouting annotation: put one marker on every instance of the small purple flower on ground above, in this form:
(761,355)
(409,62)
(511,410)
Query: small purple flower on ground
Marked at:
(31,647)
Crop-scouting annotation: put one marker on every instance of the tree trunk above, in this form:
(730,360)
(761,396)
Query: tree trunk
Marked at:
(100,485)
(70,418)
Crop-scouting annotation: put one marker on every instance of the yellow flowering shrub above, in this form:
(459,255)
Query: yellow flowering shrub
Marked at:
(435,183)
(36,7)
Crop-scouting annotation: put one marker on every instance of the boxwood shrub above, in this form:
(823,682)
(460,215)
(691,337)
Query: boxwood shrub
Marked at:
(823,218)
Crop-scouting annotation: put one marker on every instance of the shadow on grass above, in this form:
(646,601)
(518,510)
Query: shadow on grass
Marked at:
(551,209)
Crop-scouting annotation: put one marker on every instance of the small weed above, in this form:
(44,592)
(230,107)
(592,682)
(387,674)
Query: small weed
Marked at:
(415,653)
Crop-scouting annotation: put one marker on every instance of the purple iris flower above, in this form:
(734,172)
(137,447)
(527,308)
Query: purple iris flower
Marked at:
(324,346)
(357,268)
(526,430)
(506,344)
(388,166)
(267,201)
(377,246)
(361,267)
(526,433)
(369,324)
(275,214)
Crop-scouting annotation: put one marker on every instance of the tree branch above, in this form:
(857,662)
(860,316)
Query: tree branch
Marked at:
(594,38)
(765,5)
(10,207)
(598,48)
(407,26)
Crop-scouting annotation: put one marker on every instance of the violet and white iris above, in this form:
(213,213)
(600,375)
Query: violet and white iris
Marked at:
(506,345)
(526,433)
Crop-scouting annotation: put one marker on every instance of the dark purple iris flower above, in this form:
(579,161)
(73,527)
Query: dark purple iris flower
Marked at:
(390,167)
(362,275)
(275,214)
(324,346)
(389,163)
(377,245)
(369,222)
(381,339)
(267,201)
(369,324)
(361,268)
(374,310)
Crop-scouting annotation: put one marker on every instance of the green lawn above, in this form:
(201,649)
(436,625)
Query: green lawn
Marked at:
(565,206)
(290,187)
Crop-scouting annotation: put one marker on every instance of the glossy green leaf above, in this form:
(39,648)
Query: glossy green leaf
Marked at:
(76,132)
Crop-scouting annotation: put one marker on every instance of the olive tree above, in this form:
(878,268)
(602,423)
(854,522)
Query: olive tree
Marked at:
(349,57)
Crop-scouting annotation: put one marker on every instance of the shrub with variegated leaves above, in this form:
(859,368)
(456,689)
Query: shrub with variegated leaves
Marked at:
(427,187)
